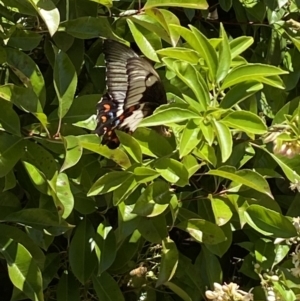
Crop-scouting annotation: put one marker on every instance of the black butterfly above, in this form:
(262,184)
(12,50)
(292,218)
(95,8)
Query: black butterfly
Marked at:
(134,91)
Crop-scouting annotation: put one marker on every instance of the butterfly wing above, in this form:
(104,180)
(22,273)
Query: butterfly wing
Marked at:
(134,90)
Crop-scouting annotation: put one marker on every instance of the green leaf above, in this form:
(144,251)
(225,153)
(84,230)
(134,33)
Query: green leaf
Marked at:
(245,121)
(190,138)
(142,42)
(131,146)
(153,229)
(9,119)
(145,174)
(239,45)
(11,150)
(23,7)
(48,12)
(202,230)
(22,269)
(24,39)
(73,152)
(64,194)
(154,200)
(105,248)
(88,28)
(109,182)
(250,72)
(19,236)
(67,288)
(290,173)
(41,159)
(224,138)
(24,98)
(81,253)
(224,56)
(52,264)
(81,109)
(172,170)
(210,265)
(169,115)
(239,93)
(245,177)
(91,142)
(39,219)
(178,291)
(9,203)
(180,53)
(169,261)
(206,50)
(65,81)
(107,288)
(269,222)
(152,143)
(221,209)
(127,248)
(188,3)
(127,187)
(193,79)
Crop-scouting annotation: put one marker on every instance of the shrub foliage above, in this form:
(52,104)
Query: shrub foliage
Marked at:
(159,218)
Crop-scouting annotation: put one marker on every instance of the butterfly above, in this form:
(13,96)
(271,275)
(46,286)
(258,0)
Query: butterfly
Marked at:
(134,91)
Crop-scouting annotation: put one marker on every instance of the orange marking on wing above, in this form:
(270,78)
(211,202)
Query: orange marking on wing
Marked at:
(103,118)
(106,107)
(121,117)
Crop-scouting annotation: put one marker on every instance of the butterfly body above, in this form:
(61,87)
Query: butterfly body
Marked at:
(134,91)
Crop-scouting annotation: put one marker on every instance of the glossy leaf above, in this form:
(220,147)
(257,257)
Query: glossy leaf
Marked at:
(152,143)
(180,53)
(91,142)
(153,229)
(172,170)
(142,42)
(11,150)
(190,138)
(202,230)
(224,138)
(48,12)
(22,269)
(245,177)
(29,73)
(224,56)
(221,209)
(169,116)
(245,121)
(107,288)
(239,93)
(169,261)
(67,288)
(105,247)
(193,79)
(87,27)
(64,194)
(73,152)
(249,72)
(65,81)
(9,120)
(269,222)
(189,3)
(154,200)
(239,45)
(109,182)
(81,254)
(131,146)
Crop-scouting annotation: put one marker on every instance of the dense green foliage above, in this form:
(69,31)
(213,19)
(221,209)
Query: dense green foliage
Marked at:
(159,218)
